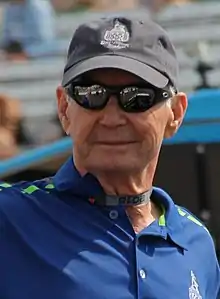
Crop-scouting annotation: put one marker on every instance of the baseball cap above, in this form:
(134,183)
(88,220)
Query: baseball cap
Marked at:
(136,45)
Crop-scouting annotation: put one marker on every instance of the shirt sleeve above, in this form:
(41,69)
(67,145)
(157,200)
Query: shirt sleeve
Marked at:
(213,277)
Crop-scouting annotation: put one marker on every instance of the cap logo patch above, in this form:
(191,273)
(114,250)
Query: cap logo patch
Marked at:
(116,38)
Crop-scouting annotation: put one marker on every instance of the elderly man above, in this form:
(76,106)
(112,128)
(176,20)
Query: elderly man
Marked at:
(98,229)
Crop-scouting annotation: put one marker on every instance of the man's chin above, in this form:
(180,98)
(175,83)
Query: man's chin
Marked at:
(112,165)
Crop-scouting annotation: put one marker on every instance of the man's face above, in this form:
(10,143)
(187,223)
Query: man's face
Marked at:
(112,139)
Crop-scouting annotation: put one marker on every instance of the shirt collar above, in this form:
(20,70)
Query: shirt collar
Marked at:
(170,222)
(69,180)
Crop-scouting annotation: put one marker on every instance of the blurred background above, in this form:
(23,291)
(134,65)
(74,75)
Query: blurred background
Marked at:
(34,37)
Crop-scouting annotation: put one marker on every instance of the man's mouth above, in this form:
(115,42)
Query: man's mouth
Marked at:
(115,143)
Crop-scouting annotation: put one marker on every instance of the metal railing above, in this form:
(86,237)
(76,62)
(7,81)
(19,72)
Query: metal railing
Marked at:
(35,157)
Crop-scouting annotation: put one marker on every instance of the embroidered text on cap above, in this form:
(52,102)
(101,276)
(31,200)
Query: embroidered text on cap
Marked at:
(117,37)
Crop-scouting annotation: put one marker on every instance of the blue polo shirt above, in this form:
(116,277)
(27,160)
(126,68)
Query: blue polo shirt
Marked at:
(55,243)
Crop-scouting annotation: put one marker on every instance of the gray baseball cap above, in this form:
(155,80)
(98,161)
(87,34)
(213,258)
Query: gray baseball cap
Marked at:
(139,46)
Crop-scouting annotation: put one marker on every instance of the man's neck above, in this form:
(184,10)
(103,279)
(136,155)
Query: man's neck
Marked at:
(140,216)
(143,215)
(122,184)
(125,184)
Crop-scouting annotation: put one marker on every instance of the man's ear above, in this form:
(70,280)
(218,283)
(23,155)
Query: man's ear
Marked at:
(62,105)
(178,106)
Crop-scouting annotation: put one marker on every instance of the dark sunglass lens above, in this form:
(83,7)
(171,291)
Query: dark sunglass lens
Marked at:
(135,99)
(91,97)
(127,95)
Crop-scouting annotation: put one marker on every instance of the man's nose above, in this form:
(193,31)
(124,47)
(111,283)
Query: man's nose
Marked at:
(112,114)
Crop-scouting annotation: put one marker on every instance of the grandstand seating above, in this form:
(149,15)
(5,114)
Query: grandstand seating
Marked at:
(189,27)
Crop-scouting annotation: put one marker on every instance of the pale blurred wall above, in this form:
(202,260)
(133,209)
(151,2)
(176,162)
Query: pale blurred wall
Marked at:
(65,5)
(152,5)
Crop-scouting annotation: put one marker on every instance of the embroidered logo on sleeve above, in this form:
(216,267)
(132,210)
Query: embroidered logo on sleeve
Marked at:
(194,288)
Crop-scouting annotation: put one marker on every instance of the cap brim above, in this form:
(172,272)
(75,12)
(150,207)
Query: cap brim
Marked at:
(130,65)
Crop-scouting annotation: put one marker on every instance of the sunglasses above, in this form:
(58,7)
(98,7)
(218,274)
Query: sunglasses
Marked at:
(131,99)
